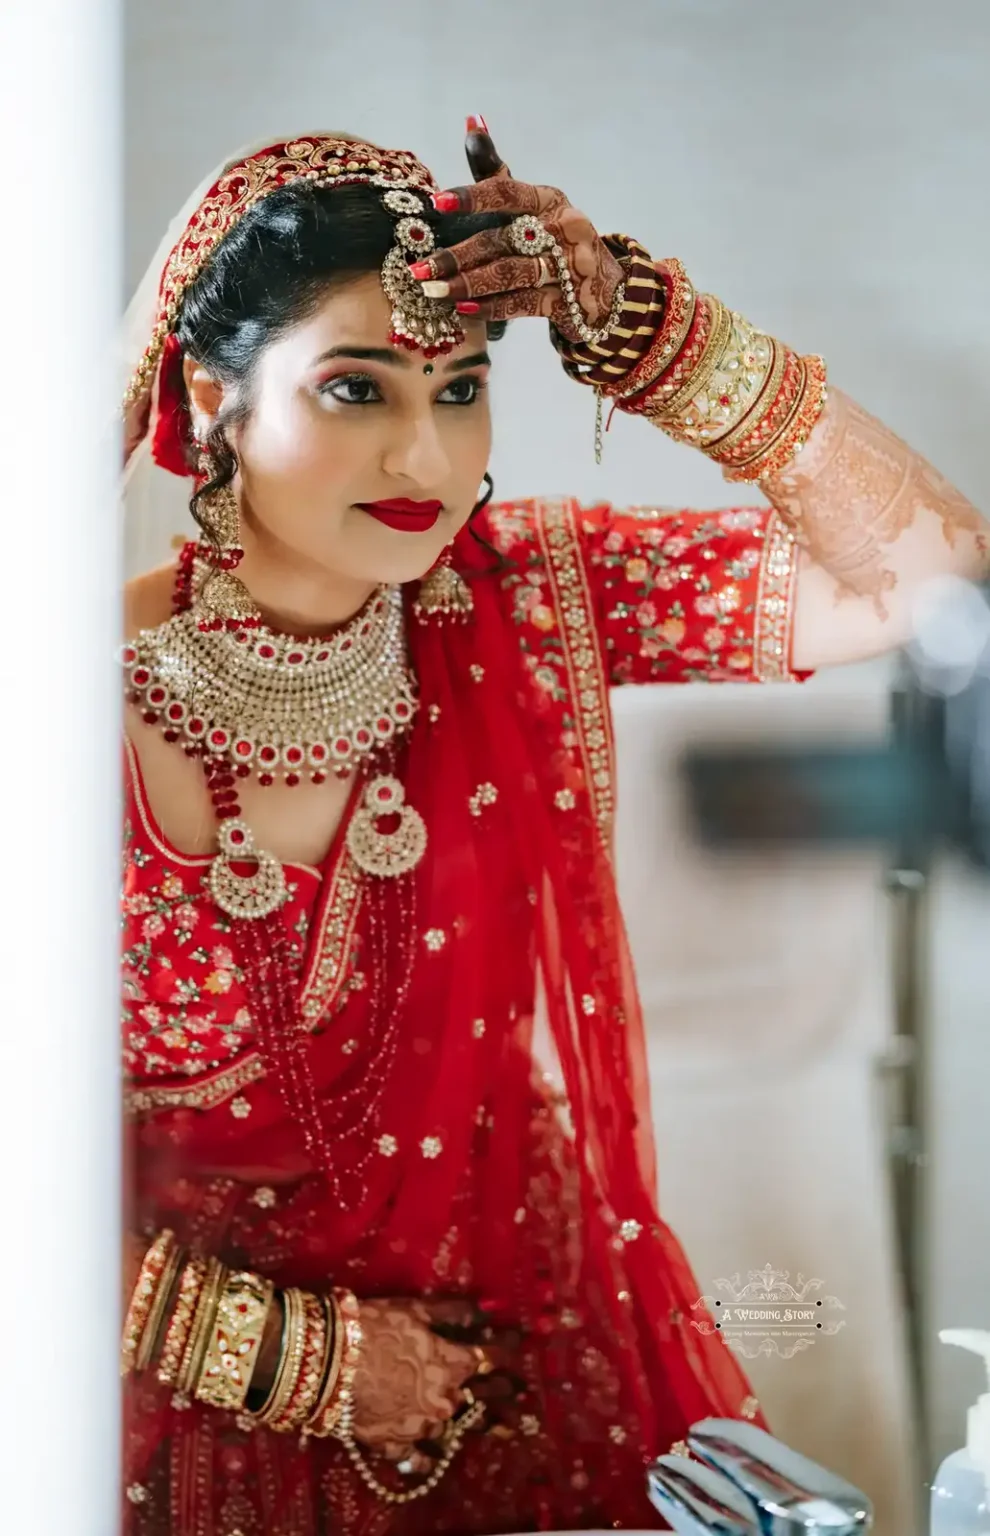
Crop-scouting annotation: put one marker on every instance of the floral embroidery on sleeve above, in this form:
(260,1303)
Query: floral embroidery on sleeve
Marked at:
(681,596)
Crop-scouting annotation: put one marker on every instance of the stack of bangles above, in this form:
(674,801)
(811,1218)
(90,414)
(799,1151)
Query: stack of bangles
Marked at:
(702,374)
(201,1326)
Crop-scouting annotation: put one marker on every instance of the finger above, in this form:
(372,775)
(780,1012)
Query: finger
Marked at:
(527,303)
(458,1361)
(500,194)
(481,248)
(483,158)
(452,1312)
(503,275)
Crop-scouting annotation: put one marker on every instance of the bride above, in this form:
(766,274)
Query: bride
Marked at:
(395,1261)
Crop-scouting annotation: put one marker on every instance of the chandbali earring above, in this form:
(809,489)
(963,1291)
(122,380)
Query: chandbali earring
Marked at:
(443,592)
(223,601)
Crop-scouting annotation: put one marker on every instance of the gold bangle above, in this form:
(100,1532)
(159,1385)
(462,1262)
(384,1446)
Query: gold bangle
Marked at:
(180,1325)
(199,1333)
(718,340)
(731,393)
(760,406)
(143,1298)
(164,1291)
(308,1373)
(773,411)
(334,1355)
(341,1396)
(289,1361)
(234,1340)
(776,456)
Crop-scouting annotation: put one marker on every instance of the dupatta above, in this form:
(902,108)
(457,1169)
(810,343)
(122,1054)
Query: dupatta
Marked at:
(517,892)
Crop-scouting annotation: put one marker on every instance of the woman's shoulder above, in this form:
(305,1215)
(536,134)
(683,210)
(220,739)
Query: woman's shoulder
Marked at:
(148,598)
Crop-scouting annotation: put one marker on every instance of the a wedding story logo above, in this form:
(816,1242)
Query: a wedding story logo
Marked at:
(767,1315)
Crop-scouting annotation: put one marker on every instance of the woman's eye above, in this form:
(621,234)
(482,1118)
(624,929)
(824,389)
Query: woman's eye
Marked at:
(461,391)
(352,389)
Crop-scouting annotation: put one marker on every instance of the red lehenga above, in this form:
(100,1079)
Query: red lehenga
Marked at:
(501,1158)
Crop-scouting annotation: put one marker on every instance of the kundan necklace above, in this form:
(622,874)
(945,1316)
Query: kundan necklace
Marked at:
(255,702)
(277,706)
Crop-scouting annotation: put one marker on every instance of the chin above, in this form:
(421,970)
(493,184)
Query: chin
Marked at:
(391,567)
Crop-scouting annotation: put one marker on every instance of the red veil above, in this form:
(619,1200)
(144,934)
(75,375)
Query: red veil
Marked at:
(511,1157)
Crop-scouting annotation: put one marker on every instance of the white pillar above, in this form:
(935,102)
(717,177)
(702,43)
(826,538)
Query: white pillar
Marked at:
(59,760)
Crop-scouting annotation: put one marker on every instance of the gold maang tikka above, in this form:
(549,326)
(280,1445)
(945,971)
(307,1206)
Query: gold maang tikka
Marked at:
(418,323)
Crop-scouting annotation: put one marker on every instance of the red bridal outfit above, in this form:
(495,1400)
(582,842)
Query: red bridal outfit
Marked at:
(492,1132)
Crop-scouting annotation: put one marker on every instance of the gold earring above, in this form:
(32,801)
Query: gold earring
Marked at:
(443,593)
(224,602)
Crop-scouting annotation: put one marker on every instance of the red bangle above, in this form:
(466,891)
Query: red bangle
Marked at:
(673,333)
(777,455)
(651,401)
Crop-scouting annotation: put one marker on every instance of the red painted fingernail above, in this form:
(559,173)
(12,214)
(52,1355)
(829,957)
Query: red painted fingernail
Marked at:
(476,123)
(421,269)
(467,307)
(446,202)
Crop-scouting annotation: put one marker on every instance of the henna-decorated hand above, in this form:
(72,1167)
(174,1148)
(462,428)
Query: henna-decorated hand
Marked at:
(489,279)
(411,1380)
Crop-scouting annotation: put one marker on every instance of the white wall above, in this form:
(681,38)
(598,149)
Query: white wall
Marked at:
(824,168)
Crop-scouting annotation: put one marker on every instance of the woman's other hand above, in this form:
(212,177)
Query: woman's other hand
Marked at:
(490,279)
(410,1381)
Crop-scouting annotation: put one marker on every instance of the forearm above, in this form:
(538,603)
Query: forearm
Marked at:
(875,521)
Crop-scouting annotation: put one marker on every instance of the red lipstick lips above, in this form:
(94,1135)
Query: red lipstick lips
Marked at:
(405,516)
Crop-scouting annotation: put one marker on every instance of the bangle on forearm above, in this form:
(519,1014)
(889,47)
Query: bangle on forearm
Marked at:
(680,301)
(605,362)
(191,1283)
(306,1348)
(156,1262)
(773,456)
(668,409)
(337,1397)
(202,1325)
(711,379)
(748,401)
(234,1340)
(160,1306)
(331,1364)
(285,1386)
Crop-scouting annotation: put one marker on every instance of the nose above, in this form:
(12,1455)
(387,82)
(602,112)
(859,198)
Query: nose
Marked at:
(415,452)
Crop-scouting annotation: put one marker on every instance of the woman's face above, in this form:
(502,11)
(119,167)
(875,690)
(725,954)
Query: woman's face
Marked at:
(341,418)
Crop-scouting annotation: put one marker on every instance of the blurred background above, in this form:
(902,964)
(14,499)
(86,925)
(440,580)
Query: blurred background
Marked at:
(824,170)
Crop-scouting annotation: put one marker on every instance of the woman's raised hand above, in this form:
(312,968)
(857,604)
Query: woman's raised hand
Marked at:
(490,279)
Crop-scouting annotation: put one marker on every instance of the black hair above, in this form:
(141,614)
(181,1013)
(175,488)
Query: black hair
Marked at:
(273,270)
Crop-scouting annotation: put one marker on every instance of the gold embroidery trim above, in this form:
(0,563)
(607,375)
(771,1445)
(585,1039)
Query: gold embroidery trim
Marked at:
(205,1093)
(775,604)
(559,535)
(332,945)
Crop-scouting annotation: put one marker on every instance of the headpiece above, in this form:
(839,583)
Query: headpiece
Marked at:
(154,394)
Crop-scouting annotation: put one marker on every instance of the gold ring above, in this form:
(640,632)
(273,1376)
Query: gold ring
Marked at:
(544,277)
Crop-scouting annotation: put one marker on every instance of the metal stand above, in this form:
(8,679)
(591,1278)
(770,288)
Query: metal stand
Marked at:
(915,717)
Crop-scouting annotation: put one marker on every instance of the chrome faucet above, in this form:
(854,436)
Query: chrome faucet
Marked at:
(746,1483)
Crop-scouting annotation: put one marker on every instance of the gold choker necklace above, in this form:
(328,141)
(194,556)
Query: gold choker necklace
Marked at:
(272,705)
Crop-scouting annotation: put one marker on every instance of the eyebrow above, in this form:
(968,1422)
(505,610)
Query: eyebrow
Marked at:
(394,359)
